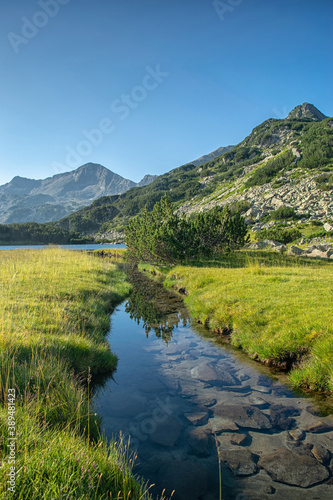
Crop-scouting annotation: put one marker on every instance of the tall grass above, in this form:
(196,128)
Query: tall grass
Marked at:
(277,312)
(54,313)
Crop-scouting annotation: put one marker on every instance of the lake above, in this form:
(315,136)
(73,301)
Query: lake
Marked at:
(185,397)
(69,247)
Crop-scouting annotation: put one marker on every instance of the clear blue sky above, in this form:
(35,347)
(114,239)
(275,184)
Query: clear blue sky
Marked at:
(164,81)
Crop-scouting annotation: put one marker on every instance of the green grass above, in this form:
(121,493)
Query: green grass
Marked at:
(54,310)
(277,308)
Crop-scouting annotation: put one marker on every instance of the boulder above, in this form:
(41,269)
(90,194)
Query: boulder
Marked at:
(276,245)
(259,245)
(297,469)
(293,250)
(328,227)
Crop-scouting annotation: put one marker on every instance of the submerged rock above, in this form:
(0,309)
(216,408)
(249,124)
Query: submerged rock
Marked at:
(188,479)
(281,416)
(167,432)
(243,416)
(297,469)
(199,442)
(214,375)
(241,462)
(198,418)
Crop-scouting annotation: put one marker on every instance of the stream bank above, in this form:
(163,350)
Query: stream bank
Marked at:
(186,400)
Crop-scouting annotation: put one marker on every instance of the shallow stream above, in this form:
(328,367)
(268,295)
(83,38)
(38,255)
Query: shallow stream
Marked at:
(182,395)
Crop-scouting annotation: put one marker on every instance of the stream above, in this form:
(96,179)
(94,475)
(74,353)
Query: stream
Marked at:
(186,398)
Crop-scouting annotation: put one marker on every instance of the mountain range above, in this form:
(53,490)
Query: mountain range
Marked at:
(281,163)
(46,200)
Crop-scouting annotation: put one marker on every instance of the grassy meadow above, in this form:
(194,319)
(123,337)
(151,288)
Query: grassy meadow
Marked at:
(279,310)
(54,314)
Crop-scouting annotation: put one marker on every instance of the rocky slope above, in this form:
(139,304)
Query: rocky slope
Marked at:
(25,200)
(282,163)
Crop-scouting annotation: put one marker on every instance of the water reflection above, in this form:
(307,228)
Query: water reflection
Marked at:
(185,399)
(159,310)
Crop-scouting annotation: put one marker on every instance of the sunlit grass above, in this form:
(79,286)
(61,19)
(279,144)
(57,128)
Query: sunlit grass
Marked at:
(276,312)
(54,314)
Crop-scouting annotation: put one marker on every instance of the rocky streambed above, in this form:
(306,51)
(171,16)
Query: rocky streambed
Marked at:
(189,402)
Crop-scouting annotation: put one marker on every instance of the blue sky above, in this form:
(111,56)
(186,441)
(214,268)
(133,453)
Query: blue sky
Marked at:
(143,86)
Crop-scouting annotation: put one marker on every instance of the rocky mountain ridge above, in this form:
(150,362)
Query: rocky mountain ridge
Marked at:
(282,163)
(50,199)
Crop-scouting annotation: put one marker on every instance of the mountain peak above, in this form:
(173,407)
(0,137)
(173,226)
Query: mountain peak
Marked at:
(307,111)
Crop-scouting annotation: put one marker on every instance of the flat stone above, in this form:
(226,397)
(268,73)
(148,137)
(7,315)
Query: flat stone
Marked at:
(167,432)
(208,373)
(202,400)
(221,424)
(199,418)
(297,434)
(292,468)
(264,390)
(234,438)
(259,402)
(188,479)
(199,442)
(241,462)
(243,416)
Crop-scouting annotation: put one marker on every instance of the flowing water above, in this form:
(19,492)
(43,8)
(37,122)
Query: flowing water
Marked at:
(187,400)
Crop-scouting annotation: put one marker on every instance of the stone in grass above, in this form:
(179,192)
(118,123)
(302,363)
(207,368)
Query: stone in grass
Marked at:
(241,462)
(243,416)
(188,479)
(199,418)
(295,469)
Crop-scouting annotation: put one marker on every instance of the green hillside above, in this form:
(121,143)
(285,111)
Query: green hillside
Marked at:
(269,164)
